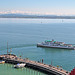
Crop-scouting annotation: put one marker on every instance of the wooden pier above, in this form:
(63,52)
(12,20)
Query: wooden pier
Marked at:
(49,69)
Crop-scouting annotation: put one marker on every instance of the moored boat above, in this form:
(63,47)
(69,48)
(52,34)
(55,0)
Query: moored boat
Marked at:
(2,62)
(55,44)
(19,65)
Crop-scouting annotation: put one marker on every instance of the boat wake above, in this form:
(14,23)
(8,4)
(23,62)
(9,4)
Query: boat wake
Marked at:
(17,46)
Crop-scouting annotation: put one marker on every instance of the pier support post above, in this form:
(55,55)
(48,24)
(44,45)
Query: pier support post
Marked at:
(42,60)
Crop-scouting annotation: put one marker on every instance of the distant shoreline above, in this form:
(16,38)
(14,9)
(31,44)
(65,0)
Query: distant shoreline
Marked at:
(35,16)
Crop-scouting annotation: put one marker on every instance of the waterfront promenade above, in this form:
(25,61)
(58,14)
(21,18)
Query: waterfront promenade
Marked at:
(49,69)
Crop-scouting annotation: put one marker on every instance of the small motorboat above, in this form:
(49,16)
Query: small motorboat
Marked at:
(2,62)
(19,65)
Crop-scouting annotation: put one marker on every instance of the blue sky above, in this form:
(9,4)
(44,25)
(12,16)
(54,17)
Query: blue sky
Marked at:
(54,7)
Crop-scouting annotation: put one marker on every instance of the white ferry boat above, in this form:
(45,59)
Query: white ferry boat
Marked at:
(55,44)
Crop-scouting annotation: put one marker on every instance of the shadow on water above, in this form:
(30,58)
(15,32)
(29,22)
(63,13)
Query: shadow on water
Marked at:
(54,50)
(38,72)
(10,70)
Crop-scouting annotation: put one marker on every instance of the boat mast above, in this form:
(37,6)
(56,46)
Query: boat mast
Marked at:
(7,47)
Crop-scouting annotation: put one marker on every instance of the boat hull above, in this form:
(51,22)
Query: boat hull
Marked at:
(19,65)
(2,62)
(47,46)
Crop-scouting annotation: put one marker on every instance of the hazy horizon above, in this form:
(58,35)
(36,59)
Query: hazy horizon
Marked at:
(40,7)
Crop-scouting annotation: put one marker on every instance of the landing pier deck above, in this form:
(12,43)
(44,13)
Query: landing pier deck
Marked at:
(13,59)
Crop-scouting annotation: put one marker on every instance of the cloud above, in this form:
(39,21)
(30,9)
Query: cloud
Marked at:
(38,13)
(12,12)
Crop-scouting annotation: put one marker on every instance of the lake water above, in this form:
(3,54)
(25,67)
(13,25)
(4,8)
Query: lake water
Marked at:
(23,35)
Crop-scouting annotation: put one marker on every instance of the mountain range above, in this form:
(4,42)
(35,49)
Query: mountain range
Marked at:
(35,16)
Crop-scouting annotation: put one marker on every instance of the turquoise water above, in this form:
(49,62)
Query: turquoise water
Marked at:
(23,35)
(7,69)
